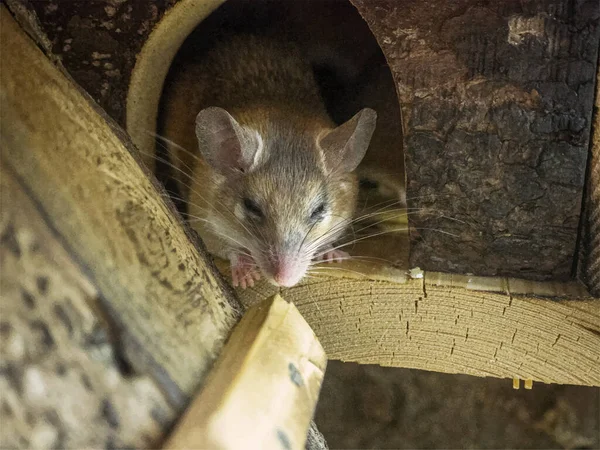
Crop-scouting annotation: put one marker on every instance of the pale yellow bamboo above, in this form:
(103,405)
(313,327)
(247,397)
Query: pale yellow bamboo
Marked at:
(263,390)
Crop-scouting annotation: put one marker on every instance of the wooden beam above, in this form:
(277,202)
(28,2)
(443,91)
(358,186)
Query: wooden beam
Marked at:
(446,323)
(263,390)
(169,311)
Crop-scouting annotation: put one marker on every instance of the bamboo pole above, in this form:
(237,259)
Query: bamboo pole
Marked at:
(263,390)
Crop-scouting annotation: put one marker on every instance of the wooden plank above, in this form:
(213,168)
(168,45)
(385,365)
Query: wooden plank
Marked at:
(263,390)
(445,326)
(160,294)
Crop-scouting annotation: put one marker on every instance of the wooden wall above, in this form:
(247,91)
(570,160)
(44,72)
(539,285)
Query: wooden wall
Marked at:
(496,99)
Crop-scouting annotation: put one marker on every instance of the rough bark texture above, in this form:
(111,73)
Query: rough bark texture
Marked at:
(589,262)
(98,41)
(496,100)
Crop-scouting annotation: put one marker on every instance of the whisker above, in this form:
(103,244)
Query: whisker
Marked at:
(360,258)
(337,269)
(384,232)
(189,186)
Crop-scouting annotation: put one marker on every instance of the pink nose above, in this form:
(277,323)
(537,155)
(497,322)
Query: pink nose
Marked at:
(286,273)
(285,278)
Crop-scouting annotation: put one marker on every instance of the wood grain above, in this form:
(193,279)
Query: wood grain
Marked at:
(442,326)
(171,312)
(264,388)
(62,382)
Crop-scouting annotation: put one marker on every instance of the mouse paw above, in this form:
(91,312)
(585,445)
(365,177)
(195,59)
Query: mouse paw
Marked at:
(332,255)
(243,271)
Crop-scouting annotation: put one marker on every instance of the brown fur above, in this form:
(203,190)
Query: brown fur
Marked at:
(268,87)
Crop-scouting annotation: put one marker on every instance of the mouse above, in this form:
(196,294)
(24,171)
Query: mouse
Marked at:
(267,176)
(383,164)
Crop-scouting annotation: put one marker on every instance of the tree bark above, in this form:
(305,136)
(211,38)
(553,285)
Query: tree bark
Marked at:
(496,99)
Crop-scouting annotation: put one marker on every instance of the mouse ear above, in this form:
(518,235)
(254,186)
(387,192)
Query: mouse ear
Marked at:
(345,146)
(224,143)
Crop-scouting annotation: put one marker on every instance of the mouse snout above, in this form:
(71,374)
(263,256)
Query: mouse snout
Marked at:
(286,271)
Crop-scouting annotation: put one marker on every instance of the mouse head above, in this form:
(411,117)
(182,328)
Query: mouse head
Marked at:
(289,191)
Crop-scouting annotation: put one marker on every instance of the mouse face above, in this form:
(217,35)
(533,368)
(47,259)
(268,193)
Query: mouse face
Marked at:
(289,216)
(283,194)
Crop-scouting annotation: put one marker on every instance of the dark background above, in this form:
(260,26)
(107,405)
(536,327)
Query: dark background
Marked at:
(365,406)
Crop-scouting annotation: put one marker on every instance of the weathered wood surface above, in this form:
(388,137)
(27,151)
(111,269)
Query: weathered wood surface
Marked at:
(98,42)
(452,324)
(496,99)
(264,388)
(95,264)
(63,383)
(589,262)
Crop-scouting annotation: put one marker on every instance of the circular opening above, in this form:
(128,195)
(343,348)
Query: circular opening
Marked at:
(348,63)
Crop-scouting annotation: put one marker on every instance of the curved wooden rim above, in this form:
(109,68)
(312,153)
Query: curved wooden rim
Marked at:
(152,66)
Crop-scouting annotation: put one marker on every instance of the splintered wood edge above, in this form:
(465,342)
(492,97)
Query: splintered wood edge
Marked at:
(445,326)
(264,387)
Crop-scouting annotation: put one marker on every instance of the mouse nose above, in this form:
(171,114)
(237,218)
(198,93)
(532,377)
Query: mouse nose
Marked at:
(286,273)
(284,276)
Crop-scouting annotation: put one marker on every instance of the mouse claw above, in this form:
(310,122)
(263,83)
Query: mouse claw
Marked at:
(333,255)
(243,271)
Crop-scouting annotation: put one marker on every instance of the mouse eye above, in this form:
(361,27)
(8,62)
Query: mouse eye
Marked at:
(252,208)
(318,212)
